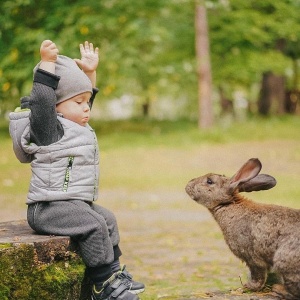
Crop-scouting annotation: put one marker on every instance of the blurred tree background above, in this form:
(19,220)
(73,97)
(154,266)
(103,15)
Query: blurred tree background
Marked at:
(148,52)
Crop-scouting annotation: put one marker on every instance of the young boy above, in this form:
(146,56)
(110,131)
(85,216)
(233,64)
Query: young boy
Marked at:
(51,132)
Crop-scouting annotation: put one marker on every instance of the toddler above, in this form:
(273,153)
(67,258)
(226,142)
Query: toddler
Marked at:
(51,131)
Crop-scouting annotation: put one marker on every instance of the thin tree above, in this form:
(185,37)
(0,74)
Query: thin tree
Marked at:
(205,119)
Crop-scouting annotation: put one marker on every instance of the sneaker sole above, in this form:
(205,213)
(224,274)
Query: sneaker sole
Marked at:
(135,292)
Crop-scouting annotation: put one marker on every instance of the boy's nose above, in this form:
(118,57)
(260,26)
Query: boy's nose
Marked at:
(86,107)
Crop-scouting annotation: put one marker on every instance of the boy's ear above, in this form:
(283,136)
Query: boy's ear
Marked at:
(258,183)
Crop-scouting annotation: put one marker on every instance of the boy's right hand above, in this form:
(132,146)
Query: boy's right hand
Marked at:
(48,51)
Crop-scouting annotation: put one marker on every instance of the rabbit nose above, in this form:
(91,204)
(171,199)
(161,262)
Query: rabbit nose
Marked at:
(189,191)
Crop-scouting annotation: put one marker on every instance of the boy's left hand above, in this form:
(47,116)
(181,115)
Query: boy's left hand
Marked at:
(89,57)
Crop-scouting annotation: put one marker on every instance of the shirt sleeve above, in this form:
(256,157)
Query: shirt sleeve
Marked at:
(45,128)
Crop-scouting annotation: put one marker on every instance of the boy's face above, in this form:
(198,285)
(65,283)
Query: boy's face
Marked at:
(76,109)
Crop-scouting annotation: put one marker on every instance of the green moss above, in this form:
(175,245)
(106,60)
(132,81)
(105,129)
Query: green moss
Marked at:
(7,245)
(4,292)
(23,279)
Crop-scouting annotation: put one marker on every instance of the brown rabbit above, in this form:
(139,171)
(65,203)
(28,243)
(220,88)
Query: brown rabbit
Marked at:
(266,237)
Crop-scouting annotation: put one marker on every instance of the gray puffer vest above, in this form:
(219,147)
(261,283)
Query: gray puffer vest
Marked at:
(65,170)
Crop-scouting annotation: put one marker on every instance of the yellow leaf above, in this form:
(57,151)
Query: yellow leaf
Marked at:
(5,86)
(84,30)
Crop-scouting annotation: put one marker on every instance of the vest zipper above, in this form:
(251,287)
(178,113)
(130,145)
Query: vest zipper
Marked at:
(95,167)
(68,172)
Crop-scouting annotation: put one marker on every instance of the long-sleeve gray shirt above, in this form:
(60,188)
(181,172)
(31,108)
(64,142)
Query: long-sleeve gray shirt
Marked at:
(45,128)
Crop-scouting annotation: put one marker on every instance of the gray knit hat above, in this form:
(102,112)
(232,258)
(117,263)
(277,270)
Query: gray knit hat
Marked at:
(73,81)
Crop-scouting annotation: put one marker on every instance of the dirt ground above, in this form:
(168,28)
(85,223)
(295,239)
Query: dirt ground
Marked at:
(177,249)
(174,246)
(171,243)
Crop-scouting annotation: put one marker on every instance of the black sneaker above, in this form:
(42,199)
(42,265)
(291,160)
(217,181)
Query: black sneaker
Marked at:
(113,289)
(133,287)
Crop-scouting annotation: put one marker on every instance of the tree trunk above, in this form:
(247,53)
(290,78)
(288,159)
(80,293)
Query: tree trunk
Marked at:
(145,109)
(293,95)
(272,94)
(204,69)
(27,258)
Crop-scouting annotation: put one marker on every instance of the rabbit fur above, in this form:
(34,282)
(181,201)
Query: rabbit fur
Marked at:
(266,237)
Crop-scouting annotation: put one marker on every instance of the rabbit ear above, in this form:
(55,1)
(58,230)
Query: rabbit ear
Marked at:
(248,171)
(258,183)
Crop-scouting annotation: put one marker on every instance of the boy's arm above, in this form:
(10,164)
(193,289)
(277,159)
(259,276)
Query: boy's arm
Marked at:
(49,54)
(45,128)
(89,61)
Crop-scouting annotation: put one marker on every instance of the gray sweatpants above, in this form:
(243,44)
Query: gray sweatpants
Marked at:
(93,227)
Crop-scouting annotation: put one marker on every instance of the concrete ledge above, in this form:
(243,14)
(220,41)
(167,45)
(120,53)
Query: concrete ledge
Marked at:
(36,266)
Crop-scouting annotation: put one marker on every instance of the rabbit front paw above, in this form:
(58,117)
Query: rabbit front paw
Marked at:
(256,279)
(254,285)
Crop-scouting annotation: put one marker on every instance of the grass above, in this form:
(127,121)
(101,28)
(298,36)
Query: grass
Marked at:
(169,242)
(185,133)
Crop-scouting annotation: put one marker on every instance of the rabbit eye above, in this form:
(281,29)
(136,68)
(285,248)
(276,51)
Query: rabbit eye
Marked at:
(209,181)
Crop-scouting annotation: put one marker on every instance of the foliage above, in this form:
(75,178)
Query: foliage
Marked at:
(251,37)
(147,47)
(135,41)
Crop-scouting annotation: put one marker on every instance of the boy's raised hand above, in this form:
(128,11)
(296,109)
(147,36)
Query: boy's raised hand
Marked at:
(48,51)
(89,57)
